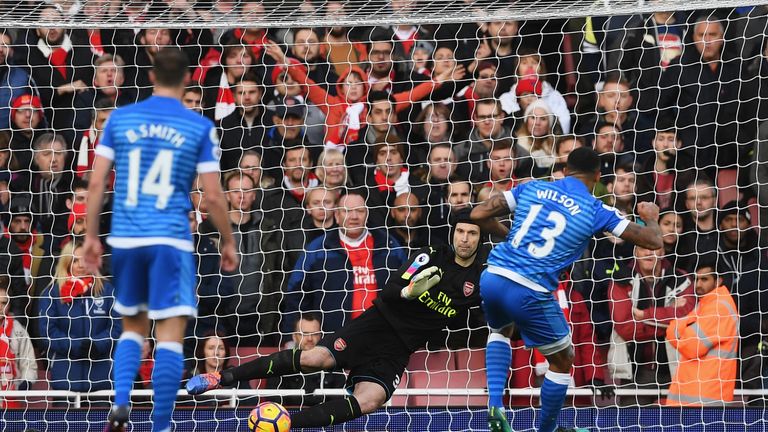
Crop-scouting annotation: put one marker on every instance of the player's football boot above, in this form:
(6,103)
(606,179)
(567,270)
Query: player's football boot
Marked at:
(497,421)
(117,419)
(562,429)
(202,383)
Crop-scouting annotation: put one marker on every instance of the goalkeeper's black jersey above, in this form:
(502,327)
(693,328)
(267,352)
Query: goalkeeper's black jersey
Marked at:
(422,318)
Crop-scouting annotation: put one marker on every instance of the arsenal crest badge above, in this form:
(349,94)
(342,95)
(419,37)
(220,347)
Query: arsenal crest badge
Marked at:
(340,344)
(469,288)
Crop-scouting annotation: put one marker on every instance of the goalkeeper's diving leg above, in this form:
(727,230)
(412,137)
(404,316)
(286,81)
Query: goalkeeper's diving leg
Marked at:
(366,397)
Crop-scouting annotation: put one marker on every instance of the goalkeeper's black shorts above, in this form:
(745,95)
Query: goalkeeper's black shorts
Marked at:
(370,349)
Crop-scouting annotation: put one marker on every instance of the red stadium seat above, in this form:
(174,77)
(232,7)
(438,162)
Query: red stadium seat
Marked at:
(727,186)
(439,370)
(446,379)
(470,359)
(430,361)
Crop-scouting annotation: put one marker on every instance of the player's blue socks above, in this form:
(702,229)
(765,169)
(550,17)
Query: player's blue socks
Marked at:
(498,356)
(127,360)
(553,392)
(166,376)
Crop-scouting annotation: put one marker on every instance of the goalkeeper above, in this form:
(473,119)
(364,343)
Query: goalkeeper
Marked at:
(437,285)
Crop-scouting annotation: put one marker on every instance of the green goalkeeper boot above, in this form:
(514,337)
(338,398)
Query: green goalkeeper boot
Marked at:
(562,429)
(497,421)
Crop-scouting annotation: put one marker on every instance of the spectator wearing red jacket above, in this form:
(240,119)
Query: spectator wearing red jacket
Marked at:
(85,152)
(346,113)
(645,296)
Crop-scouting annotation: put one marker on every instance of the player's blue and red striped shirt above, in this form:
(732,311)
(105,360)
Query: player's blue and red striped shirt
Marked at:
(553,224)
(158,146)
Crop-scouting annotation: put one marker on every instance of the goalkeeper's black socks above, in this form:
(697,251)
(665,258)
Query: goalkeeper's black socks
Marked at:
(284,362)
(327,414)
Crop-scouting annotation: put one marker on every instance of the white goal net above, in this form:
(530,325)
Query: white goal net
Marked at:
(424,107)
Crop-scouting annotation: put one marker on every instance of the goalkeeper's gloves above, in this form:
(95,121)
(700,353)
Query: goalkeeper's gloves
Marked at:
(421,283)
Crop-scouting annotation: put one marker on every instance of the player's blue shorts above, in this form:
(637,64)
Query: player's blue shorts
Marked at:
(537,315)
(159,279)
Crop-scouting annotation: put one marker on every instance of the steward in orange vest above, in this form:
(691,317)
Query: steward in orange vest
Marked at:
(708,342)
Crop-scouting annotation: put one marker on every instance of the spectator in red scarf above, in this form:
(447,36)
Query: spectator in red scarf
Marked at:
(18,367)
(346,113)
(62,71)
(218,83)
(102,109)
(78,325)
(483,88)
(389,178)
(76,224)
(341,272)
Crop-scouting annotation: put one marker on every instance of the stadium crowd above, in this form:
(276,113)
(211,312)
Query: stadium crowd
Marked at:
(418,122)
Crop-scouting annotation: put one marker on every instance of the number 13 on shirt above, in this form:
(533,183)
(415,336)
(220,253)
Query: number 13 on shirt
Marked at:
(548,235)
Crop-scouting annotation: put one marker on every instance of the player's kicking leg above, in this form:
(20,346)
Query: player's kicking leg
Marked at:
(554,389)
(498,356)
(542,325)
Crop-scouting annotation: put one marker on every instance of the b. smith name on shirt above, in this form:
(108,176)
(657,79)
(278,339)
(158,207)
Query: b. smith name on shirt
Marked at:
(160,131)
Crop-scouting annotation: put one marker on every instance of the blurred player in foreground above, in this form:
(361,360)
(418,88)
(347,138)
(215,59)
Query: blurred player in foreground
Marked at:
(158,147)
(553,224)
(437,285)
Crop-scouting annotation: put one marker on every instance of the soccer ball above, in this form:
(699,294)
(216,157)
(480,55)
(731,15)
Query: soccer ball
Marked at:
(269,417)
